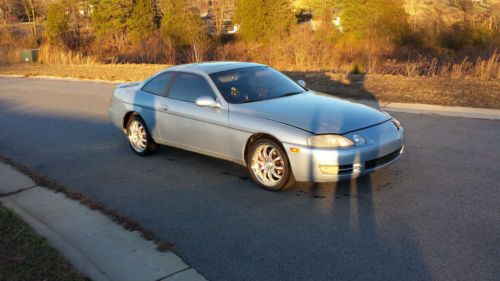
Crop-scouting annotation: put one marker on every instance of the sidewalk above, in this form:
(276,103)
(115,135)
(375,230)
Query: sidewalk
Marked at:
(94,245)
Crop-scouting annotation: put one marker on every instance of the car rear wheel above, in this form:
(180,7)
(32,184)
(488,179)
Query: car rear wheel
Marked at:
(268,165)
(139,139)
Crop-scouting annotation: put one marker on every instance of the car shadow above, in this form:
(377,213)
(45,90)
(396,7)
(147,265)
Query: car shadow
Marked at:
(351,202)
(347,86)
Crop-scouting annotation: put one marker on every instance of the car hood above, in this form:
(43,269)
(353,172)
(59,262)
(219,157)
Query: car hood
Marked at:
(314,112)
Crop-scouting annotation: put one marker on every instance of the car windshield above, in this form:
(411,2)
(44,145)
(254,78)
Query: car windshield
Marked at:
(253,84)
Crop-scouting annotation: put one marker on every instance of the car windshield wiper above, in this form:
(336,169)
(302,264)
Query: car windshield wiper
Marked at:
(284,95)
(290,94)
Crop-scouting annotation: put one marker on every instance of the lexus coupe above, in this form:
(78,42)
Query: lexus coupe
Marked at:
(255,116)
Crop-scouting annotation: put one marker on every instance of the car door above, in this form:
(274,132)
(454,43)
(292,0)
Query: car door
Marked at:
(184,124)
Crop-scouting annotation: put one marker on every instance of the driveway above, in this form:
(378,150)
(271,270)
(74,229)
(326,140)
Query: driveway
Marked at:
(433,215)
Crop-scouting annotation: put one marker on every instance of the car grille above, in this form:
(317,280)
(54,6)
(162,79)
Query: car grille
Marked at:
(372,164)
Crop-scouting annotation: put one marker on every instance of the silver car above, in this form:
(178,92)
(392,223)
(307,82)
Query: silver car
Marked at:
(255,116)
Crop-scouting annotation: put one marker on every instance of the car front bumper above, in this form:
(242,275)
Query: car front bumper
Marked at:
(385,146)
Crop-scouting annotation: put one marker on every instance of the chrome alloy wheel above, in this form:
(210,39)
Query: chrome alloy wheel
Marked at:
(267,165)
(137,136)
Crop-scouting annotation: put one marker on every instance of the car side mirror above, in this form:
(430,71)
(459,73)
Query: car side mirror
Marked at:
(302,83)
(206,101)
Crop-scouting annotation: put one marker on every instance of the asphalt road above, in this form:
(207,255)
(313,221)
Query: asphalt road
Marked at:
(433,215)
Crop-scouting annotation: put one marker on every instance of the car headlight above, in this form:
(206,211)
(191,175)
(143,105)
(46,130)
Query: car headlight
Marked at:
(329,141)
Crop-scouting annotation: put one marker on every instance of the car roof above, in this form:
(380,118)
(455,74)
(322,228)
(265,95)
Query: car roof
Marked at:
(212,67)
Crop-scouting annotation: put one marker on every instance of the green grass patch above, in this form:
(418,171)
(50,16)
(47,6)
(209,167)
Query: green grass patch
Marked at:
(24,255)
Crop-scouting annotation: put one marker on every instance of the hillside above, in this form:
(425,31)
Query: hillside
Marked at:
(438,13)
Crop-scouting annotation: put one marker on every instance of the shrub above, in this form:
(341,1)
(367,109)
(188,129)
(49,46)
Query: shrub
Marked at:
(464,36)
(261,20)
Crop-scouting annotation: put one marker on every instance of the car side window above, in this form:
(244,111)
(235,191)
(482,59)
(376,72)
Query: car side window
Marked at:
(158,84)
(188,87)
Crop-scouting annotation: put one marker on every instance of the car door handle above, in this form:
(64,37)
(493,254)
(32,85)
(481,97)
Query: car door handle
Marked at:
(164,107)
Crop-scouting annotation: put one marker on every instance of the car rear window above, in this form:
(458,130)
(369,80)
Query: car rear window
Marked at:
(158,84)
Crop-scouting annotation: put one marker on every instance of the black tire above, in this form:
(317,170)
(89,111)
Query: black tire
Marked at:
(149,145)
(286,181)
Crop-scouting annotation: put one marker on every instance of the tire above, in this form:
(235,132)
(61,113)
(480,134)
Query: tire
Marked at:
(138,136)
(268,165)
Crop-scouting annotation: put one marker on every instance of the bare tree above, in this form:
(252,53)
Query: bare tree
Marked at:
(10,8)
(34,10)
(29,8)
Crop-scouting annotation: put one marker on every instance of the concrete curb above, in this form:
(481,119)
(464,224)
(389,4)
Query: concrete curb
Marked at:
(418,108)
(94,245)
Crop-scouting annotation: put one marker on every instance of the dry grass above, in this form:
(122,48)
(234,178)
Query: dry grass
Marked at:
(483,69)
(418,89)
(305,51)
(8,54)
(111,72)
(471,92)
(51,56)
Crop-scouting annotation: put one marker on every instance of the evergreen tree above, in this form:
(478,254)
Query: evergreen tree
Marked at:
(374,18)
(57,22)
(263,19)
(141,23)
(109,22)
(181,22)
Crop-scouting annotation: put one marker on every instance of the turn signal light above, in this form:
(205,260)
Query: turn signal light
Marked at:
(294,149)
(329,169)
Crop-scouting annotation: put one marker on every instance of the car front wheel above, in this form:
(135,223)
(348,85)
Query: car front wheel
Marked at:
(268,165)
